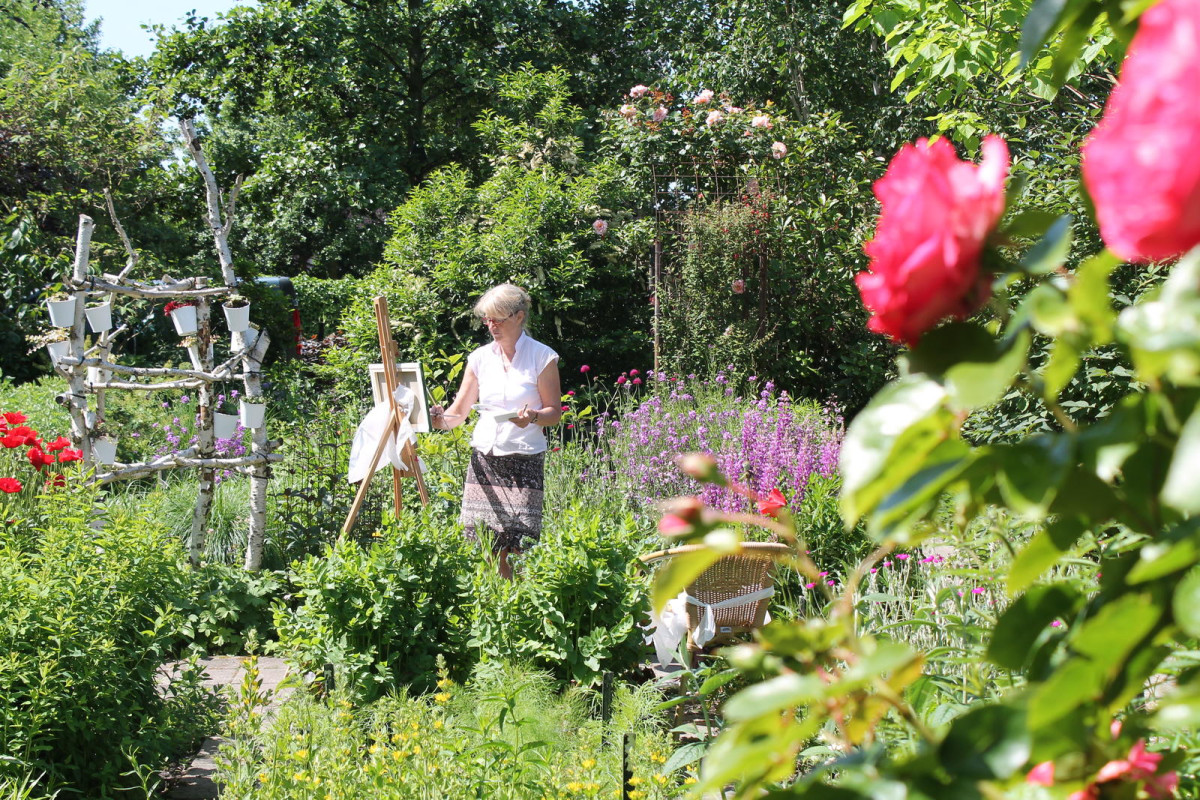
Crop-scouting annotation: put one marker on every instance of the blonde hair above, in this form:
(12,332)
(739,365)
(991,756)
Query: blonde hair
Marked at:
(503,301)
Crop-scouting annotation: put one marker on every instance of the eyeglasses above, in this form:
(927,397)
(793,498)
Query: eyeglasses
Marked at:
(494,321)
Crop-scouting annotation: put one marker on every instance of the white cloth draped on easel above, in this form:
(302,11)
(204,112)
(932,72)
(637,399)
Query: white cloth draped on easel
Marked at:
(371,430)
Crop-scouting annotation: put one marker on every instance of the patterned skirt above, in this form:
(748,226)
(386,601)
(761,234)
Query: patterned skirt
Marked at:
(502,499)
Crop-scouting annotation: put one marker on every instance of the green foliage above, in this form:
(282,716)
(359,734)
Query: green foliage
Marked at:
(87,621)
(505,733)
(322,302)
(381,615)
(229,610)
(576,607)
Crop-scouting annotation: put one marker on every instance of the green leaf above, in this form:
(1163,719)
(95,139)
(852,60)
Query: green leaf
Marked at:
(986,743)
(1043,17)
(774,695)
(1030,472)
(1049,311)
(1030,224)
(1174,551)
(917,496)
(1185,603)
(1089,296)
(1052,250)
(1163,332)
(1118,627)
(1043,550)
(1181,490)
(902,419)
(1073,684)
(685,755)
(679,571)
(1065,358)
(974,384)
(1026,620)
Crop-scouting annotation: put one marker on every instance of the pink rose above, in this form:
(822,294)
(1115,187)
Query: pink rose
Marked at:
(638,91)
(739,286)
(1141,164)
(585,369)
(778,150)
(1163,786)
(762,121)
(1042,774)
(600,227)
(732,109)
(1139,765)
(704,98)
(660,114)
(936,213)
(713,118)
(627,111)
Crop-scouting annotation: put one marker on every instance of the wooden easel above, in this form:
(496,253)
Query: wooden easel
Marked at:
(408,452)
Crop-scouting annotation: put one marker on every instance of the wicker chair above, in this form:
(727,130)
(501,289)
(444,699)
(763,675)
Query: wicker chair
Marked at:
(745,574)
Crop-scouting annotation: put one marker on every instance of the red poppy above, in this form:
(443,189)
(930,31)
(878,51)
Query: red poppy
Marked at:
(69,455)
(10,485)
(20,435)
(14,417)
(58,444)
(57,481)
(770,505)
(38,458)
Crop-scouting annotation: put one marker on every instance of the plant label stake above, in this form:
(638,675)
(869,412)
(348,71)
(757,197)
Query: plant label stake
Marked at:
(408,452)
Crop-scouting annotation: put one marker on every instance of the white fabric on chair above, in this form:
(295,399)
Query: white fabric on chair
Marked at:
(708,622)
(371,430)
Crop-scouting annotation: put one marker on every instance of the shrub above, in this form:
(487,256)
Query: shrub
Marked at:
(86,623)
(229,610)
(575,608)
(381,615)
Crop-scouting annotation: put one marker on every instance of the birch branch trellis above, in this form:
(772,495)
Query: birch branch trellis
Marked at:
(90,371)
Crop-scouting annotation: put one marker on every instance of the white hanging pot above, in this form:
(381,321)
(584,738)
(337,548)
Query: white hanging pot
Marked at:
(253,414)
(184,318)
(237,318)
(97,375)
(58,350)
(225,425)
(99,317)
(104,451)
(62,312)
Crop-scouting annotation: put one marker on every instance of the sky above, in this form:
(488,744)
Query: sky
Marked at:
(120,28)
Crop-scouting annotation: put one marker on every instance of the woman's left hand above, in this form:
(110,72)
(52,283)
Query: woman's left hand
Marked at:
(525,417)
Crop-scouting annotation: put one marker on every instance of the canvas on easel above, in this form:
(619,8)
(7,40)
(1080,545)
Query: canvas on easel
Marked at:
(408,374)
(408,452)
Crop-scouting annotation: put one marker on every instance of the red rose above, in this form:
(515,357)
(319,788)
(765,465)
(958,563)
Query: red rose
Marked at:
(58,444)
(10,485)
(1141,164)
(769,506)
(936,213)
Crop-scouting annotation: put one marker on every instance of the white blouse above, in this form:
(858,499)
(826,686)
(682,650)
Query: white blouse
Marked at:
(508,388)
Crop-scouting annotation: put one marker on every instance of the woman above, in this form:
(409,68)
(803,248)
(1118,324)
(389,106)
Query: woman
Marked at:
(514,380)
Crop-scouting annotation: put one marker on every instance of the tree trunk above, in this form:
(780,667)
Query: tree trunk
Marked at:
(77,403)
(204,439)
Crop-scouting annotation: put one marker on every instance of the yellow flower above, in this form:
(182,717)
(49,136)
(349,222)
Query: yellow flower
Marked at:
(661,779)
(635,780)
(299,776)
(300,754)
(689,780)
(443,697)
(437,725)
(416,749)
(445,683)
(399,754)
(588,763)
(575,786)
(263,777)
(415,725)
(373,749)
(377,534)
(635,794)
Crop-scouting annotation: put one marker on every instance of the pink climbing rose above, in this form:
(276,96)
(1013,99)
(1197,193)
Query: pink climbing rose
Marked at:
(1141,164)
(937,211)
(600,227)
(627,111)
(660,114)
(638,91)
(704,98)
(762,121)
(714,118)
(778,150)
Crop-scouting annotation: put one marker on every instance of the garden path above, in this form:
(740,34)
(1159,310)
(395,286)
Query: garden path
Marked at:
(224,673)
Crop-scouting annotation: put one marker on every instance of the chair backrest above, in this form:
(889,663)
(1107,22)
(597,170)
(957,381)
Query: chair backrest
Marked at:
(737,575)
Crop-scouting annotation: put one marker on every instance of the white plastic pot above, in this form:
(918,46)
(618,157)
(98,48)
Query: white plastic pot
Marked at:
(184,318)
(62,312)
(99,317)
(104,451)
(253,414)
(238,319)
(97,375)
(225,425)
(58,350)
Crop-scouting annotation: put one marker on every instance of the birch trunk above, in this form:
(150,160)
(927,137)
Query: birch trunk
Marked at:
(212,196)
(204,439)
(260,447)
(77,397)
